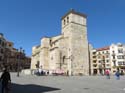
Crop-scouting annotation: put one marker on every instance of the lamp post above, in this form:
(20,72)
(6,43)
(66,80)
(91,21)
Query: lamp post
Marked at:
(19,59)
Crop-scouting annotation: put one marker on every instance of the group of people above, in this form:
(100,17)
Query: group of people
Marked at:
(41,72)
(117,74)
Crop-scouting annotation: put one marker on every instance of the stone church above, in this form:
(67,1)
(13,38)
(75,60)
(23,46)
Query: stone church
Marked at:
(67,52)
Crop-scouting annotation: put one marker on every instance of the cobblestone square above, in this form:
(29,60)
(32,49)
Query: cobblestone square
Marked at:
(64,84)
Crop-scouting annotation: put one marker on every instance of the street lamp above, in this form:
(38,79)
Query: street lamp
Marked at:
(19,59)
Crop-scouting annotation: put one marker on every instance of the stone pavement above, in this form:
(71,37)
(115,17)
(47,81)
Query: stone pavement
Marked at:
(64,84)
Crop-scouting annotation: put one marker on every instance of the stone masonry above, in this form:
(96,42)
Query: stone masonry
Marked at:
(68,51)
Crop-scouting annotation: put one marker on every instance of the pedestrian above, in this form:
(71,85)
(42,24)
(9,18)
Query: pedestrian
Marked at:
(122,72)
(117,74)
(107,74)
(39,71)
(67,73)
(5,79)
(48,72)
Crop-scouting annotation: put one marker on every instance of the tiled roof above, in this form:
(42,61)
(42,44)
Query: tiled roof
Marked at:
(104,48)
(74,12)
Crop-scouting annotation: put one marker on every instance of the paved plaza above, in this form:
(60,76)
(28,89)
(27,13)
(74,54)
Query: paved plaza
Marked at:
(64,84)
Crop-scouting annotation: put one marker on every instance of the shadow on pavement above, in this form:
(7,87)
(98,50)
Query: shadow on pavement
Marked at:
(16,88)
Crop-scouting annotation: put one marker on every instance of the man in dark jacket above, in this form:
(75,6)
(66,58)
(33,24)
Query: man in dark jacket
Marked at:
(5,78)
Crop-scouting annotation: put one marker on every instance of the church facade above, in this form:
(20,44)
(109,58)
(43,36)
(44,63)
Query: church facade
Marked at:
(69,51)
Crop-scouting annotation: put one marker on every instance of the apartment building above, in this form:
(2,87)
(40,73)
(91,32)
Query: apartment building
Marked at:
(100,61)
(111,57)
(117,57)
(12,57)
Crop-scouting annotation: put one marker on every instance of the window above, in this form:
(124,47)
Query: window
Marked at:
(103,57)
(107,56)
(67,19)
(113,52)
(107,52)
(107,65)
(123,63)
(3,44)
(95,65)
(10,45)
(107,61)
(50,41)
(37,64)
(1,50)
(94,53)
(94,56)
(114,63)
(63,59)
(120,56)
(120,50)
(113,56)
(123,57)
(100,61)
(94,61)
(64,22)
(0,58)
(119,63)
(103,61)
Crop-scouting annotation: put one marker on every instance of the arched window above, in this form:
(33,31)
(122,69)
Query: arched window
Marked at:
(37,64)
(63,59)
(64,22)
(50,41)
(67,19)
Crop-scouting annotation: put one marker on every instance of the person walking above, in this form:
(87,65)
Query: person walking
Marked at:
(5,79)
(117,74)
(107,74)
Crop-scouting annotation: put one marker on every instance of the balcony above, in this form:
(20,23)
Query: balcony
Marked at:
(94,59)
(113,60)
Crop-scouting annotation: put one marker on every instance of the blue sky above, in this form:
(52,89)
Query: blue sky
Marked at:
(25,22)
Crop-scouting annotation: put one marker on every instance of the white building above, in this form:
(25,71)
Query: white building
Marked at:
(117,52)
(111,58)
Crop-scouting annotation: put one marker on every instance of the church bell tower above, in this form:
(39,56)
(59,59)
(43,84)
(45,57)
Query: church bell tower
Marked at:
(74,27)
